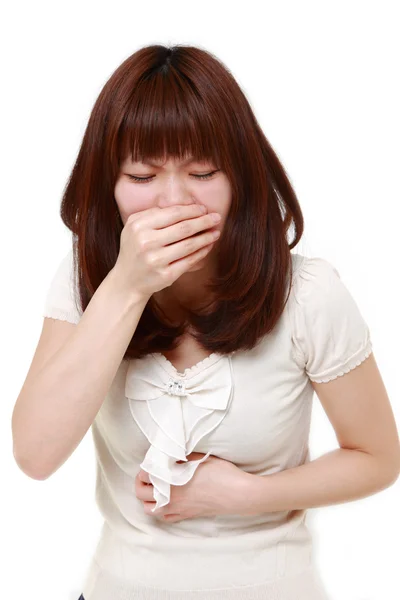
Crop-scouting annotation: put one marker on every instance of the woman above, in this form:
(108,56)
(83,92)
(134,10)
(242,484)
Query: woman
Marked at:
(194,359)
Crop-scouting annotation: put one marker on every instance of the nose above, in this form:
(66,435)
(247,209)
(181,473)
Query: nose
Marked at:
(175,192)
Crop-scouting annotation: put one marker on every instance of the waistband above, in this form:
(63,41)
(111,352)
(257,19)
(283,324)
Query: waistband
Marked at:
(205,562)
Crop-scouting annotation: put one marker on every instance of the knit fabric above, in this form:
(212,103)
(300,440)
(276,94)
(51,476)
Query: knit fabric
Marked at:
(252,408)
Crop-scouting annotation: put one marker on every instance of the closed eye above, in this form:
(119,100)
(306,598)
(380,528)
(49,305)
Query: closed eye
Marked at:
(146,179)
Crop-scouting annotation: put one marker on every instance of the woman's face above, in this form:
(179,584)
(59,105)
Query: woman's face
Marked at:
(171,183)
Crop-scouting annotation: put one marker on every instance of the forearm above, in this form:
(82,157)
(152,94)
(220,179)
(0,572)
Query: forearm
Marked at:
(56,407)
(339,476)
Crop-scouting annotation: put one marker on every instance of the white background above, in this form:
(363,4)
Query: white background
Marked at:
(323,81)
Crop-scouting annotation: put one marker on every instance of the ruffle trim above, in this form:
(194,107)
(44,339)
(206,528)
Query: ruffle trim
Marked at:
(175,413)
(351,365)
(190,370)
(62,315)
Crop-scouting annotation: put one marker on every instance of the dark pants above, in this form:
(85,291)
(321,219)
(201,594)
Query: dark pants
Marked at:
(81,597)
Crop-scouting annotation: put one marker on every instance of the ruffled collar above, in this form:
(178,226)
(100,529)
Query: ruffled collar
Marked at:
(175,411)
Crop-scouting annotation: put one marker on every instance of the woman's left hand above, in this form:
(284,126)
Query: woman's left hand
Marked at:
(217,487)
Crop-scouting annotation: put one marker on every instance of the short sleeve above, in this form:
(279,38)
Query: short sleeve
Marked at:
(61,298)
(329,334)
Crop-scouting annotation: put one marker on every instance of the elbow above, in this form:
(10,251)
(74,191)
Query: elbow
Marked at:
(29,469)
(392,472)
(387,466)
(392,480)
(395,475)
(26,457)
(395,470)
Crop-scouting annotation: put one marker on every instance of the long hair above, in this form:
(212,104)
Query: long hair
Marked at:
(178,101)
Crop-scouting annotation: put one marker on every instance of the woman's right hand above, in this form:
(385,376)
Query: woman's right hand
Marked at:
(158,245)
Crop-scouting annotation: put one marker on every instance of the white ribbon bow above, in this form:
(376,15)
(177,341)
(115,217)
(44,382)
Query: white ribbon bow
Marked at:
(175,413)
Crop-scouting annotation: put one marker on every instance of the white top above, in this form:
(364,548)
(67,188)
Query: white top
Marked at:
(252,408)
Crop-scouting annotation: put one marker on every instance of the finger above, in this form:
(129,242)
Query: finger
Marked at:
(194,456)
(173,518)
(161,513)
(144,476)
(148,507)
(143,491)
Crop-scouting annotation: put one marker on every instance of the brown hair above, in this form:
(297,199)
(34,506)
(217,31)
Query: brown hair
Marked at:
(181,101)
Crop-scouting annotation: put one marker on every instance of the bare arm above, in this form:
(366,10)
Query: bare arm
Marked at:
(339,476)
(57,406)
(367,461)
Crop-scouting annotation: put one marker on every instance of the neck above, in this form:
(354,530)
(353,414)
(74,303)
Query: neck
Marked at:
(188,291)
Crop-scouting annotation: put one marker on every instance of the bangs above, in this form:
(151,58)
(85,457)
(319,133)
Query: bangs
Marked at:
(167,118)
(182,103)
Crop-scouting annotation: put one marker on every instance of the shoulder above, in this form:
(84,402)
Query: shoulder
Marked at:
(63,271)
(329,331)
(62,298)
(313,272)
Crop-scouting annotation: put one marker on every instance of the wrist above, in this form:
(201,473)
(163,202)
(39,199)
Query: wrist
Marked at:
(250,491)
(133,296)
